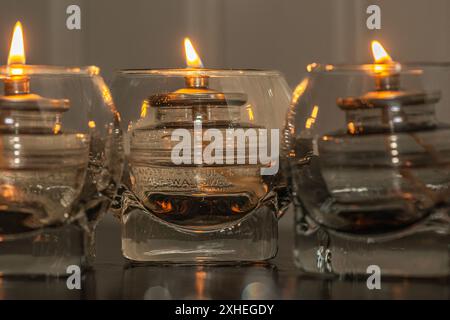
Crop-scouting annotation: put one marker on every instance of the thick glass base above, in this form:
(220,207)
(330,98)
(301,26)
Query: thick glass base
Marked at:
(421,250)
(148,239)
(46,252)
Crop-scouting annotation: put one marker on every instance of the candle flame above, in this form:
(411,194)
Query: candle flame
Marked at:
(192,58)
(380,55)
(17,50)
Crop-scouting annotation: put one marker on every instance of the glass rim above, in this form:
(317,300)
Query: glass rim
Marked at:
(407,67)
(183,72)
(30,69)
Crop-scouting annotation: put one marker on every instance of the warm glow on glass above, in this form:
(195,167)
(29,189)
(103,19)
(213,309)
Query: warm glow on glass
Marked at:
(200,277)
(310,67)
(17,50)
(310,121)
(251,117)
(91,124)
(165,205)
(8,191)
(106,94)
(314,112)
(380,55)
(144,110)
(299,90)
(351,128)
(192,58)
(57,128)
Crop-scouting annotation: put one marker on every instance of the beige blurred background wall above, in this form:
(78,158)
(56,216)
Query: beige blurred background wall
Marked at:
(273,34)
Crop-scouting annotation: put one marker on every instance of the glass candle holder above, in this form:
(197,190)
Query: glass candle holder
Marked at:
(201,182)
(369,154)
(60,164)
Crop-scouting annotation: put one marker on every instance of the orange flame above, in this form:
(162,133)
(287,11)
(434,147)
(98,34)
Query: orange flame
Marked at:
(17,50)
(192,58)
(380,55)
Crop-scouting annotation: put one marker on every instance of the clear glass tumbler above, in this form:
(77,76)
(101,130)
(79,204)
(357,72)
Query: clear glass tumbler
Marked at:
(202,180)
(60,165)
(369,153)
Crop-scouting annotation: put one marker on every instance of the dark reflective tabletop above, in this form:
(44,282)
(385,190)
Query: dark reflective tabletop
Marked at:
(114,278)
